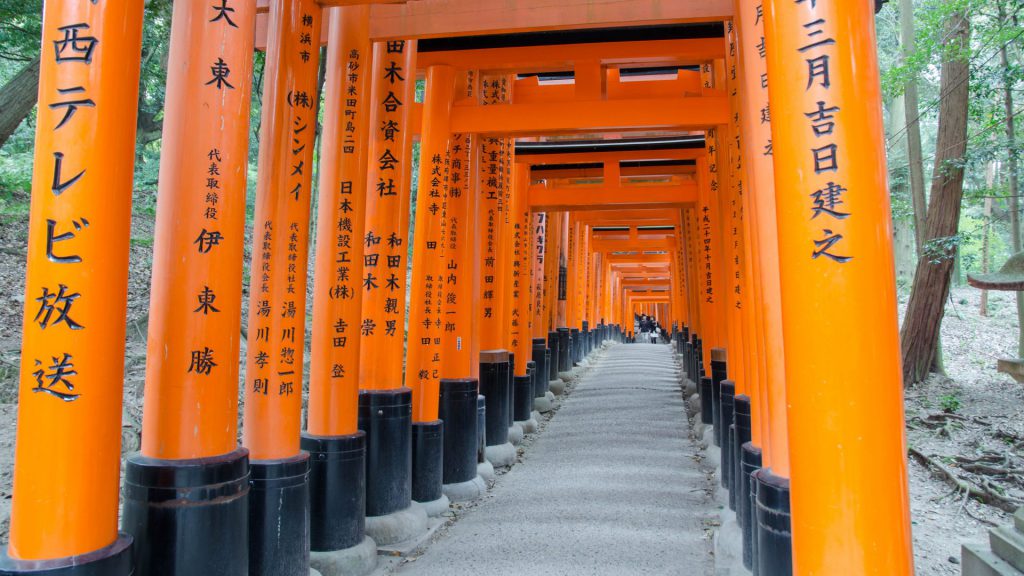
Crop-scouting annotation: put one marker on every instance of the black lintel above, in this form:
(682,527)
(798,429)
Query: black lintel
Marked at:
(685,31)
(625,145)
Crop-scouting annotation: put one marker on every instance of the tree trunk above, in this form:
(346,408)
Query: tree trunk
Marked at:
(915,159)
(987,231)
(1011,151)
(17,98)
(919,337)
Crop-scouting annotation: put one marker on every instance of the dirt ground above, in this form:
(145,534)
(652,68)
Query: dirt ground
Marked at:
(970,422)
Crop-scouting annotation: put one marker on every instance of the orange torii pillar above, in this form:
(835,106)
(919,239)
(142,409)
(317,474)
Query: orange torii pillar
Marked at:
(68,444)
(543,398)
(712,291)
(768,446)
(458,385)
(735,403)
(506,268)
(561,308)
(279,502)
(572,318)
(423,359)
(524,369)
(494,356)
(385,406)
(191,471)
(337,448)
(835,245)
(554,294)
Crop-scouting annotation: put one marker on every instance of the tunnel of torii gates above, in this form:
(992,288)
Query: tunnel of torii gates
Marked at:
(580,163)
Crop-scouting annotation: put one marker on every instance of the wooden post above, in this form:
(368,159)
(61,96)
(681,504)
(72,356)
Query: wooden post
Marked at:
(337,448)
(459,361)
(277,292)
(385,406)
(457,309)
(67,448)
(387,211)
(423,357)
(190,418)
(522,321)
(423,360)
(835,245)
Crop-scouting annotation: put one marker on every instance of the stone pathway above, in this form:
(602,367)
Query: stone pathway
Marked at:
(612,486)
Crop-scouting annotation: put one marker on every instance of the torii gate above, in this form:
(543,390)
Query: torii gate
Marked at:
(765,276)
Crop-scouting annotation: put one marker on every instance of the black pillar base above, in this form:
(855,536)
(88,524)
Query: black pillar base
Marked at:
(774,539)
(549,366)
(698,360)
(585,334)
(728,391)
(564,353)
(718,373)
(494,387)
(386,418)
(750,462)
(707,407)
(458,410)
(337,490)
(510,389)
(741,435)
(188,516)
(279,517)
(481,429)
(427,460)
(541,369)
(554,343)
(574,347)
(113,560)
(523,399)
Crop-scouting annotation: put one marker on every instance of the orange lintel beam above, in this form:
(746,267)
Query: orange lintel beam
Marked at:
(638,245)
(638,217)
(592,116)
(263,6)
(544,59)
(639,258)
(441,18)
(642,270)
(632,234)
(625,171)
(543,198)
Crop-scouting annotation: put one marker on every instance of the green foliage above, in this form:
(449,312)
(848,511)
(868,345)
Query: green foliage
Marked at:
(950,403)
(20,30)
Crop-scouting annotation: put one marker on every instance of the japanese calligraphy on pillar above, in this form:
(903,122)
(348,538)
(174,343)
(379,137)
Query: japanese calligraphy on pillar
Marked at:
(277,313)
(456,285)
(337,295)
(195,307)
(706,216)
(52,304)
(826,200)
(736,174)
(72,360)
(491,215)
(387,213)
(520,301)
(423,360)
(538,236)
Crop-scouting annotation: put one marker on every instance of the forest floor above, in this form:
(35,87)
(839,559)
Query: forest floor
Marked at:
(969,424)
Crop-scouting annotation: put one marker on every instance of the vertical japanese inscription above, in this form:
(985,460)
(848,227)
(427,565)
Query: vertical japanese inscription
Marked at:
(337,295)
(826,201)
(73,330)
(387,209)
(274,369)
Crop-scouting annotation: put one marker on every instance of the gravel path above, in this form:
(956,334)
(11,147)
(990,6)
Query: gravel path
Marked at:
(611,487)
